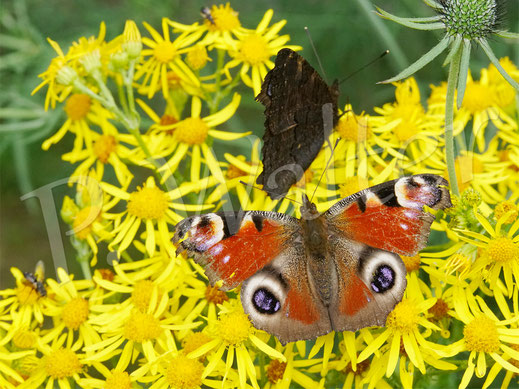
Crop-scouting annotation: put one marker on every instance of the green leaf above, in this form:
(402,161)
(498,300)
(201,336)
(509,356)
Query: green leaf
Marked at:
(433,4)
(425,20)
(508,35)
(495,61)
(464,70)
(415,23)
(424,60)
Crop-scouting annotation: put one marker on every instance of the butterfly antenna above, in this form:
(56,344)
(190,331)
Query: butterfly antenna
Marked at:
(365,66)
(315,52)
(325,169)
(264,190)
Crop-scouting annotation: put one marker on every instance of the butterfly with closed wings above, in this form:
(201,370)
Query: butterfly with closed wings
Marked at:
(300,114)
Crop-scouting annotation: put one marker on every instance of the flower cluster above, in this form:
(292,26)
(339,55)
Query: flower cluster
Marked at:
(153,141)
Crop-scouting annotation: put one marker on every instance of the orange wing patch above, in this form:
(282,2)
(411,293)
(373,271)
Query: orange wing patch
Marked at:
(390,216)
(395,229)
(239,256)
(230,248)
(356,294)
(300,306)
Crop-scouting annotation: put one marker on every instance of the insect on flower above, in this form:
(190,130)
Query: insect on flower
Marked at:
(36,279)
(206,14)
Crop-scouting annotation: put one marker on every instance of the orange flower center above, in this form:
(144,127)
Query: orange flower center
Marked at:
(106,274)
(276,370)
(77,106)
(215,295)
(234,171)
(412,263)
(24,339)
(411,115)
(104,146)
(440,309)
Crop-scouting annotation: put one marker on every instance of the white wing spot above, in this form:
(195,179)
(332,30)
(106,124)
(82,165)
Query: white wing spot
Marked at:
(216,249)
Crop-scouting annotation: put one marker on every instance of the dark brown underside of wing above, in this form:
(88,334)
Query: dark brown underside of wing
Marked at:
(293,94)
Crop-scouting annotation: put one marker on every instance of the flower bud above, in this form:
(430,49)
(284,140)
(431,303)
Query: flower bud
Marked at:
(132,40)
(66,76)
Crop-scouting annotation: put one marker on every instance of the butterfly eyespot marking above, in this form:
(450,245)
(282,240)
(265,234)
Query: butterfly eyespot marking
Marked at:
(263,295)
(423,189)
(382,271)
(383,279)
(265,301)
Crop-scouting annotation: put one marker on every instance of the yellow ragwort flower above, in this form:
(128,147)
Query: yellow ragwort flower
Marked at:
(253,50)
(162,56)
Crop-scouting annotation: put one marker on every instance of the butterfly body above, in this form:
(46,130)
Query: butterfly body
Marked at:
(335,271)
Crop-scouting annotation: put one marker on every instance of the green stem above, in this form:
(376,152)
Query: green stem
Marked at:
(85,268)
(452,81)
(105,92)
(137,135)
(126,256)
(217,95)
(122,97)
(129,88)
(495,61)
(263,376)
(84,89)
(109,102)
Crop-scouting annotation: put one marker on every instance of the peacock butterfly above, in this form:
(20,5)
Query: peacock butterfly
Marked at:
(300,113)
(335,271)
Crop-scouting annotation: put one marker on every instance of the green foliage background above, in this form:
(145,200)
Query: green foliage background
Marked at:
(347,35)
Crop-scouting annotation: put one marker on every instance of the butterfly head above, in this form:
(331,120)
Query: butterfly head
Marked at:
(308,209)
